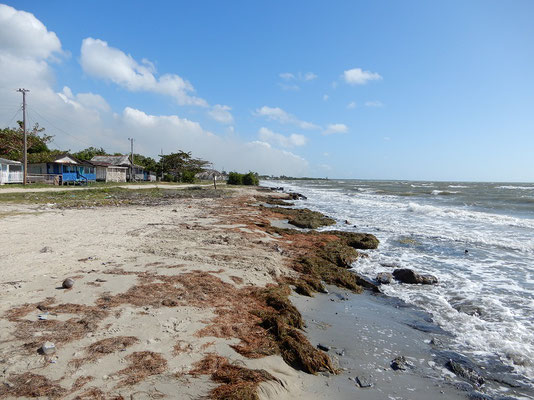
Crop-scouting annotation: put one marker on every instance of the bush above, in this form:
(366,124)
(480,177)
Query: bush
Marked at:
(251,179)
(235,178)
(188,177)
(168,178)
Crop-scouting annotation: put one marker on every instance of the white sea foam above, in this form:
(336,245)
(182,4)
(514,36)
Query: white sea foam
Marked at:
(515,187)
(485,298)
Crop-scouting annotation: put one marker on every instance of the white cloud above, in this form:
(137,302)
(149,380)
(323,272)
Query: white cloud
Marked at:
(375,103)
(26,46)
(23,35)
(283,117)
(286,76)
(230,153)
(292,140)
(351,105)
(222,114)
(102,61)
(307,76)
(325,97)
(335,128)
(285,86)
(357,76)
(87,100)
(81,120)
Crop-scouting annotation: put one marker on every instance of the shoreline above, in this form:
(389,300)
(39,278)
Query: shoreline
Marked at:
(219,248)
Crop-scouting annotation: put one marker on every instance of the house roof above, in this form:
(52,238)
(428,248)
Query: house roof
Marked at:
(63,158)
(122,161)
(6,161)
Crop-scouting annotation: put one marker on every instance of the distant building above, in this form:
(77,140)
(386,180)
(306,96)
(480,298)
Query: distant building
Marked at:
(138,172)
(106,172)
(62,169)
(11,171)
(209,174)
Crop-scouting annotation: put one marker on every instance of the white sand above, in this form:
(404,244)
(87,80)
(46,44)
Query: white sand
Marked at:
(41,246)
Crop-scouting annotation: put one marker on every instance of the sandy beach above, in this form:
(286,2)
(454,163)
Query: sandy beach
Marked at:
(170,299)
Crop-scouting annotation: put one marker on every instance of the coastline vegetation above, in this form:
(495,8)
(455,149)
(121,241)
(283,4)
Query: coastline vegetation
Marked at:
(249,179)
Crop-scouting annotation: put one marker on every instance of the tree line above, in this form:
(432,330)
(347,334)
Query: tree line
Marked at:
(174,167)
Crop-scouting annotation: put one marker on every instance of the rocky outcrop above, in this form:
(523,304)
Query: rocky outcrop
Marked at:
(384,278)
(406,275)
(360,241)
(304,218)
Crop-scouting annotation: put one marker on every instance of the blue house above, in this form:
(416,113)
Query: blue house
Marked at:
(63,169)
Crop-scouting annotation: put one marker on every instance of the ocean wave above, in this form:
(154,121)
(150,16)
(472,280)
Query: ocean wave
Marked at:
(493,219)
(515,187)
(458,186)
(442,192)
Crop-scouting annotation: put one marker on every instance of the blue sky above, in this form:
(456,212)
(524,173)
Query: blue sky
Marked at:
(377,89)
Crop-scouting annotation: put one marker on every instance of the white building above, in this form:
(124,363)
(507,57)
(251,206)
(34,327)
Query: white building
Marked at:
(11,171)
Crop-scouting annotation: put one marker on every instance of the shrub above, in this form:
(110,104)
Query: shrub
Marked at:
(188,176)
(168,178)
(251,179)
(235,178)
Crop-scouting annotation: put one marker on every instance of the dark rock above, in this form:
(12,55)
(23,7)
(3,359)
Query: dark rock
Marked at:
(479,396)
(407,275)
(360,241)
(340,352)
(364,282)
(297,196)
(384,278)
(364,381)
(323,347)
(46,249)
(347,222)
(400,363)
(465,372)
(390,265)
(169,303)
(304,218)
(68,283)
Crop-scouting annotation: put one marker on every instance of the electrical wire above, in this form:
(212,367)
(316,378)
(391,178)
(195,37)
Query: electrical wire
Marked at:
(59,129)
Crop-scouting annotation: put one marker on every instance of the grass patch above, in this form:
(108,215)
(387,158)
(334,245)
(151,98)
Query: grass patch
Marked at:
(113,196)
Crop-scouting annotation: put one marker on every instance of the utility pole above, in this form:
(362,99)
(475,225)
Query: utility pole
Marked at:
(131,159)
(23,91)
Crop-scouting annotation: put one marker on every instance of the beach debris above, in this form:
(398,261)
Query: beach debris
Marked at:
(364,381)
(340,352)
(347,222)
(407,275)
(323,347)
(400,363)
(68,283)
(43,316)
(384,278)
(465,372)
(46,249)
(48,348)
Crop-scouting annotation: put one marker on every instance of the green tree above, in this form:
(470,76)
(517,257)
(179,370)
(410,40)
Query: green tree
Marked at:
(90,152)
(180,163)
(12,141)
(147,163)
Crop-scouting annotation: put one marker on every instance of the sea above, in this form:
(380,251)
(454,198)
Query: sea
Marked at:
(477,238)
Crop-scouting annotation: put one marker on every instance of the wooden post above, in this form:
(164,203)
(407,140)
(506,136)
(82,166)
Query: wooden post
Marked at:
(215,181)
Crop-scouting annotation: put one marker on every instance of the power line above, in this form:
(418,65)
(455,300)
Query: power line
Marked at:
(13,117)
(62,130)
